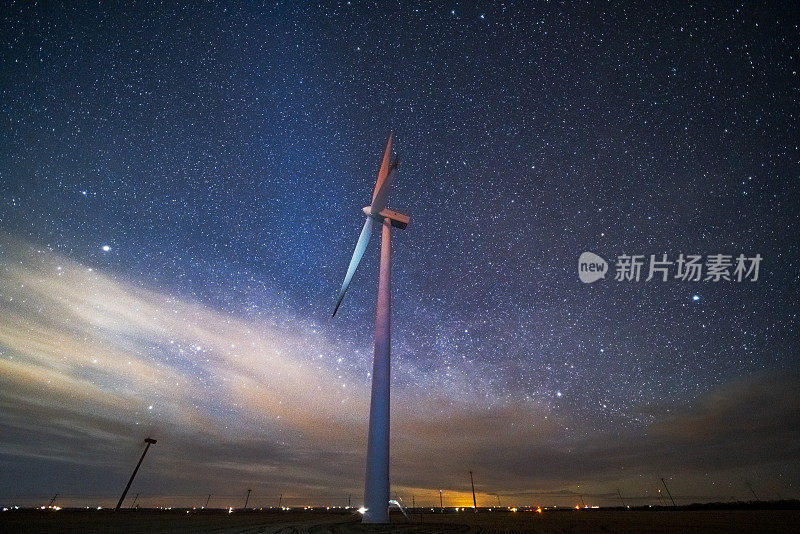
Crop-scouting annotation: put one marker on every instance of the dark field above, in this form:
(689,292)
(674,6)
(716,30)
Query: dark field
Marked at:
(624,521)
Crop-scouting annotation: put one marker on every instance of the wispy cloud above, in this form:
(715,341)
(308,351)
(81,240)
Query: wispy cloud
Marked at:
(91,364)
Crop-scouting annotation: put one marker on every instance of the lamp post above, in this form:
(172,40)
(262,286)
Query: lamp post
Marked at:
(149,442)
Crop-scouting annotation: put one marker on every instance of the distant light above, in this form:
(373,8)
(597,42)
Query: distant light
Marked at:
(696,298)
(362,510)
(106,248)
(558,393)
(230,510)
(150,407)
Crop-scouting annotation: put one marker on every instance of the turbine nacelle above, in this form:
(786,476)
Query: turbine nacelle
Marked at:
(398,220)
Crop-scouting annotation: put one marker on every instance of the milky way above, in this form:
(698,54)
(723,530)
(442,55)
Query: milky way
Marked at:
(182,187)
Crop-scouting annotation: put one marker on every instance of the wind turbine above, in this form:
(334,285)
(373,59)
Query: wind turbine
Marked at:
(376,483)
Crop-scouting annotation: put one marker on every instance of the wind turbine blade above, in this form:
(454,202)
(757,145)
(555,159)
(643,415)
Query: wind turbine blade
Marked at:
(382,198)
(385,174)
(358,253)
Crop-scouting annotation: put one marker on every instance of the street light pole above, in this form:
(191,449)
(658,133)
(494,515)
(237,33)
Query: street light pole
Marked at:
(149,442)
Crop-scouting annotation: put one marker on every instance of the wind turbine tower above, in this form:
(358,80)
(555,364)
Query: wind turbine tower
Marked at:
(376,483)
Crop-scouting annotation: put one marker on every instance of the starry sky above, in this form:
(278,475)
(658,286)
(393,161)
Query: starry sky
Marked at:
(181,188)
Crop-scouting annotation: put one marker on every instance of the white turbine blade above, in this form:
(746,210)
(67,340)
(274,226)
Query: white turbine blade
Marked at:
(382,199)
(358,253)
(381,194)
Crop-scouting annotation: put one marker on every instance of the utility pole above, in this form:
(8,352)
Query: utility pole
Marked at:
(280,502)
(582,501)
(149,442)
(498,499)
(620,498)
(413,502)
(668,493)
(349,495)
(136,498)
(441,502)
(474,501)
(209,498)
(53,500)
(247,499)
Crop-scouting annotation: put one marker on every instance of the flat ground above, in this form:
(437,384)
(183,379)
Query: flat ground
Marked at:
(589,521)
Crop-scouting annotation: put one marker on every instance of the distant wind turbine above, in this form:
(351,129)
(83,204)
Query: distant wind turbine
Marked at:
(376,484)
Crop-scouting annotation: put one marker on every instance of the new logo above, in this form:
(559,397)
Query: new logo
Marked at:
(591,267)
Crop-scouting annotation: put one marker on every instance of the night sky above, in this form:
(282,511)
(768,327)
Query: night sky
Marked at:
(181,190)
